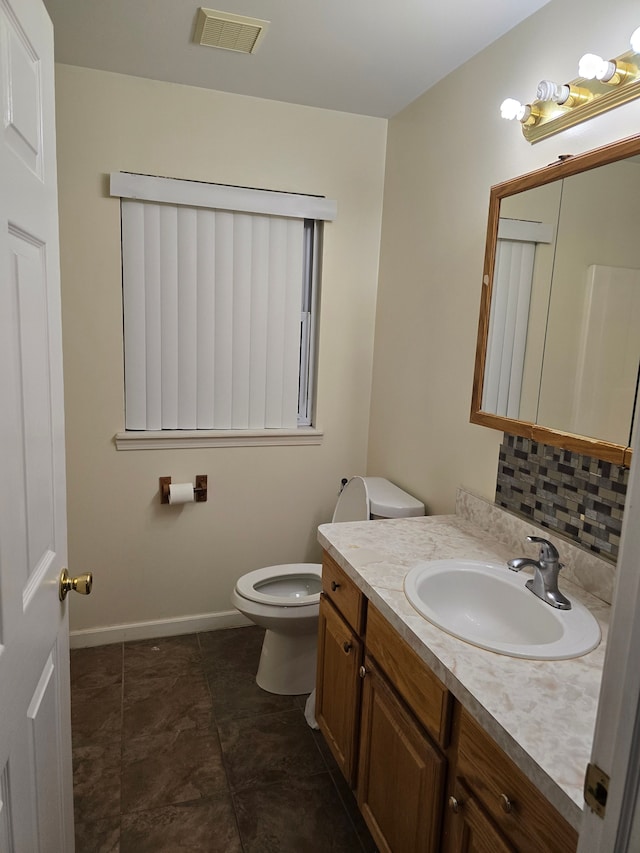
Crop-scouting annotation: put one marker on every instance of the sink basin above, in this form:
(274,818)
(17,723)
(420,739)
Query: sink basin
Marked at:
(487,605)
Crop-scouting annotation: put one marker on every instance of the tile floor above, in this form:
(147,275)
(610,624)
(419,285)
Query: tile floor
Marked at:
(175,748)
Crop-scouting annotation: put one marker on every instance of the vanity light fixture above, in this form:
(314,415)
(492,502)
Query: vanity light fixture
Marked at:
(602,85)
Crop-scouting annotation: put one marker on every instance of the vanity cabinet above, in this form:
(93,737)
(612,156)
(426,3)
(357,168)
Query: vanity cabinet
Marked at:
(492,797)
(426,775)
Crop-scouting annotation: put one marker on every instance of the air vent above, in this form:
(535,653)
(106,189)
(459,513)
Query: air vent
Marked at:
(230,32)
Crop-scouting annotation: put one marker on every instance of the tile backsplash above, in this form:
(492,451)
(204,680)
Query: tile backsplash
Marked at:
(573,495)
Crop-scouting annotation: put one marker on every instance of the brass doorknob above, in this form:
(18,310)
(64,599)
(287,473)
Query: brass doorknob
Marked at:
(81,584)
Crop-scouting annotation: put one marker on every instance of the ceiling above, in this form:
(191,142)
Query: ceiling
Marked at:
(371,57)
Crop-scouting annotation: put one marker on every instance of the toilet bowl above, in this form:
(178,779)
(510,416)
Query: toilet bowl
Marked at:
(285,599)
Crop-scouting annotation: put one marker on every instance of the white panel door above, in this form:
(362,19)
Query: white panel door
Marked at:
(36,808)
(616,741)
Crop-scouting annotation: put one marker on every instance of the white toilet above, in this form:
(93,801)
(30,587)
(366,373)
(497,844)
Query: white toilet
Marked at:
(285,599)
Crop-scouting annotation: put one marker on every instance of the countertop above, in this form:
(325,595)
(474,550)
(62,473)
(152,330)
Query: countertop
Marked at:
(542,713)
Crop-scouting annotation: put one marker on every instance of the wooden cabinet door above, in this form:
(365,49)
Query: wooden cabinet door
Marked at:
(338,687)
(473,831)
(401,773)
(530,822)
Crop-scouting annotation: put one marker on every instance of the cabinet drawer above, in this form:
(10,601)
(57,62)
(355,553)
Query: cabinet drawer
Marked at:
(343,593)
(471,828)
(525,816)
(424,693)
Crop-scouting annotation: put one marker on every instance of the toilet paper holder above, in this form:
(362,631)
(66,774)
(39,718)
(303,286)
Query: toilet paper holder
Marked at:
(199,490)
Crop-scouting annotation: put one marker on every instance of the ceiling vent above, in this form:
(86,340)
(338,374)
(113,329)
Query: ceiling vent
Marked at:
(231,32)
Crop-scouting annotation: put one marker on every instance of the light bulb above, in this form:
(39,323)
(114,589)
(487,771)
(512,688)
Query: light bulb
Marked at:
(550,91)
(634,41)
(594,67)
(510,109)
(588,65)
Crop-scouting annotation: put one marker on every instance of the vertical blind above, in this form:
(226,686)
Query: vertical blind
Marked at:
(216,289)
(509,318)
(212,302)
(508,327)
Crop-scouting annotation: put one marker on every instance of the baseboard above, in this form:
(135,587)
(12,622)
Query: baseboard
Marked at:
(160,628)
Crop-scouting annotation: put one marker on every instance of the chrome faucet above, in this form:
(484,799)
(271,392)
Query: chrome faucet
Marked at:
(544,583)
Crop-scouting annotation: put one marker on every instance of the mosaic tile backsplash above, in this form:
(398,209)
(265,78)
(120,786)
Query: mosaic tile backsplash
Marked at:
(574,495)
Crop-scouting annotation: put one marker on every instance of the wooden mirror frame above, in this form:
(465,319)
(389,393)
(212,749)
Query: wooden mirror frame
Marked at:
(563,168)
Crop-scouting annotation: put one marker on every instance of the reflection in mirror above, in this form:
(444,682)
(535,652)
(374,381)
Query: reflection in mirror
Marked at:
(558,342)
(592,347)
(519,305)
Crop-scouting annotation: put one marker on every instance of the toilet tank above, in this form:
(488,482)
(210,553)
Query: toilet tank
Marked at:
(365,498)
(388,501)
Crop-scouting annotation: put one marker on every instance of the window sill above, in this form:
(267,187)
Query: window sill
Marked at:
(176,439)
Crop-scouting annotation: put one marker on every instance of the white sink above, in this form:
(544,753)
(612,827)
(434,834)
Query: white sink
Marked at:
(489,606)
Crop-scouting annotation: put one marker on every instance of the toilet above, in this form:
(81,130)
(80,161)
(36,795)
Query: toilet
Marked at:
(285,599)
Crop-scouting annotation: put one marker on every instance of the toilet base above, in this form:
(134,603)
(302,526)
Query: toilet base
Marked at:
(288,663)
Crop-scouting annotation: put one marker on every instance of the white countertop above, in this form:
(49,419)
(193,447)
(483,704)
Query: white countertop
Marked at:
(542,713)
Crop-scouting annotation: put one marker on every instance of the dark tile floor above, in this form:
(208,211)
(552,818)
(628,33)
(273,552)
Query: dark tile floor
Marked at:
(175,748)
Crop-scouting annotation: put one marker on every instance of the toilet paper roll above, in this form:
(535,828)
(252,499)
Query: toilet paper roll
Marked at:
(181,493)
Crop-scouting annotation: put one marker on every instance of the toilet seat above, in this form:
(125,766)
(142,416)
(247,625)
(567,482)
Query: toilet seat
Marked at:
(364,498)
(290,585)
(353,503)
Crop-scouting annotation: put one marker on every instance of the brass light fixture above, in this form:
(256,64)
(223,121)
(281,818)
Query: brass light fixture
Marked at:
(602,85)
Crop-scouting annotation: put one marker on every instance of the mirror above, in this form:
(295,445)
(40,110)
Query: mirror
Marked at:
(558,351)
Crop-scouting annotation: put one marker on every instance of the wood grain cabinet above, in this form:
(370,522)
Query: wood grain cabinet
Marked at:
(340,656)
(491,792)
(401,773)
(404,730)
(383,717)
(427,776)
(472,830)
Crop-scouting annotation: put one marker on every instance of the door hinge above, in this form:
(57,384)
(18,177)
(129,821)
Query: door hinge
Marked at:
(596,789)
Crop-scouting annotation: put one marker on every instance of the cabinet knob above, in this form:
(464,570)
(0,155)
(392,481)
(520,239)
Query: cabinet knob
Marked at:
(347,646)
(454,804)
(506,804)
(334,586)
(362,672)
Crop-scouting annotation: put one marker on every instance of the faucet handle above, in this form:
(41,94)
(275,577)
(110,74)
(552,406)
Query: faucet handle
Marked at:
(548,551)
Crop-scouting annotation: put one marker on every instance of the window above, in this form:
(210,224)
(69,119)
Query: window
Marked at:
(219,290)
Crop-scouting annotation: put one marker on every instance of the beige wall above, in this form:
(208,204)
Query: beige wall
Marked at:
(154,562)
(443,153)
